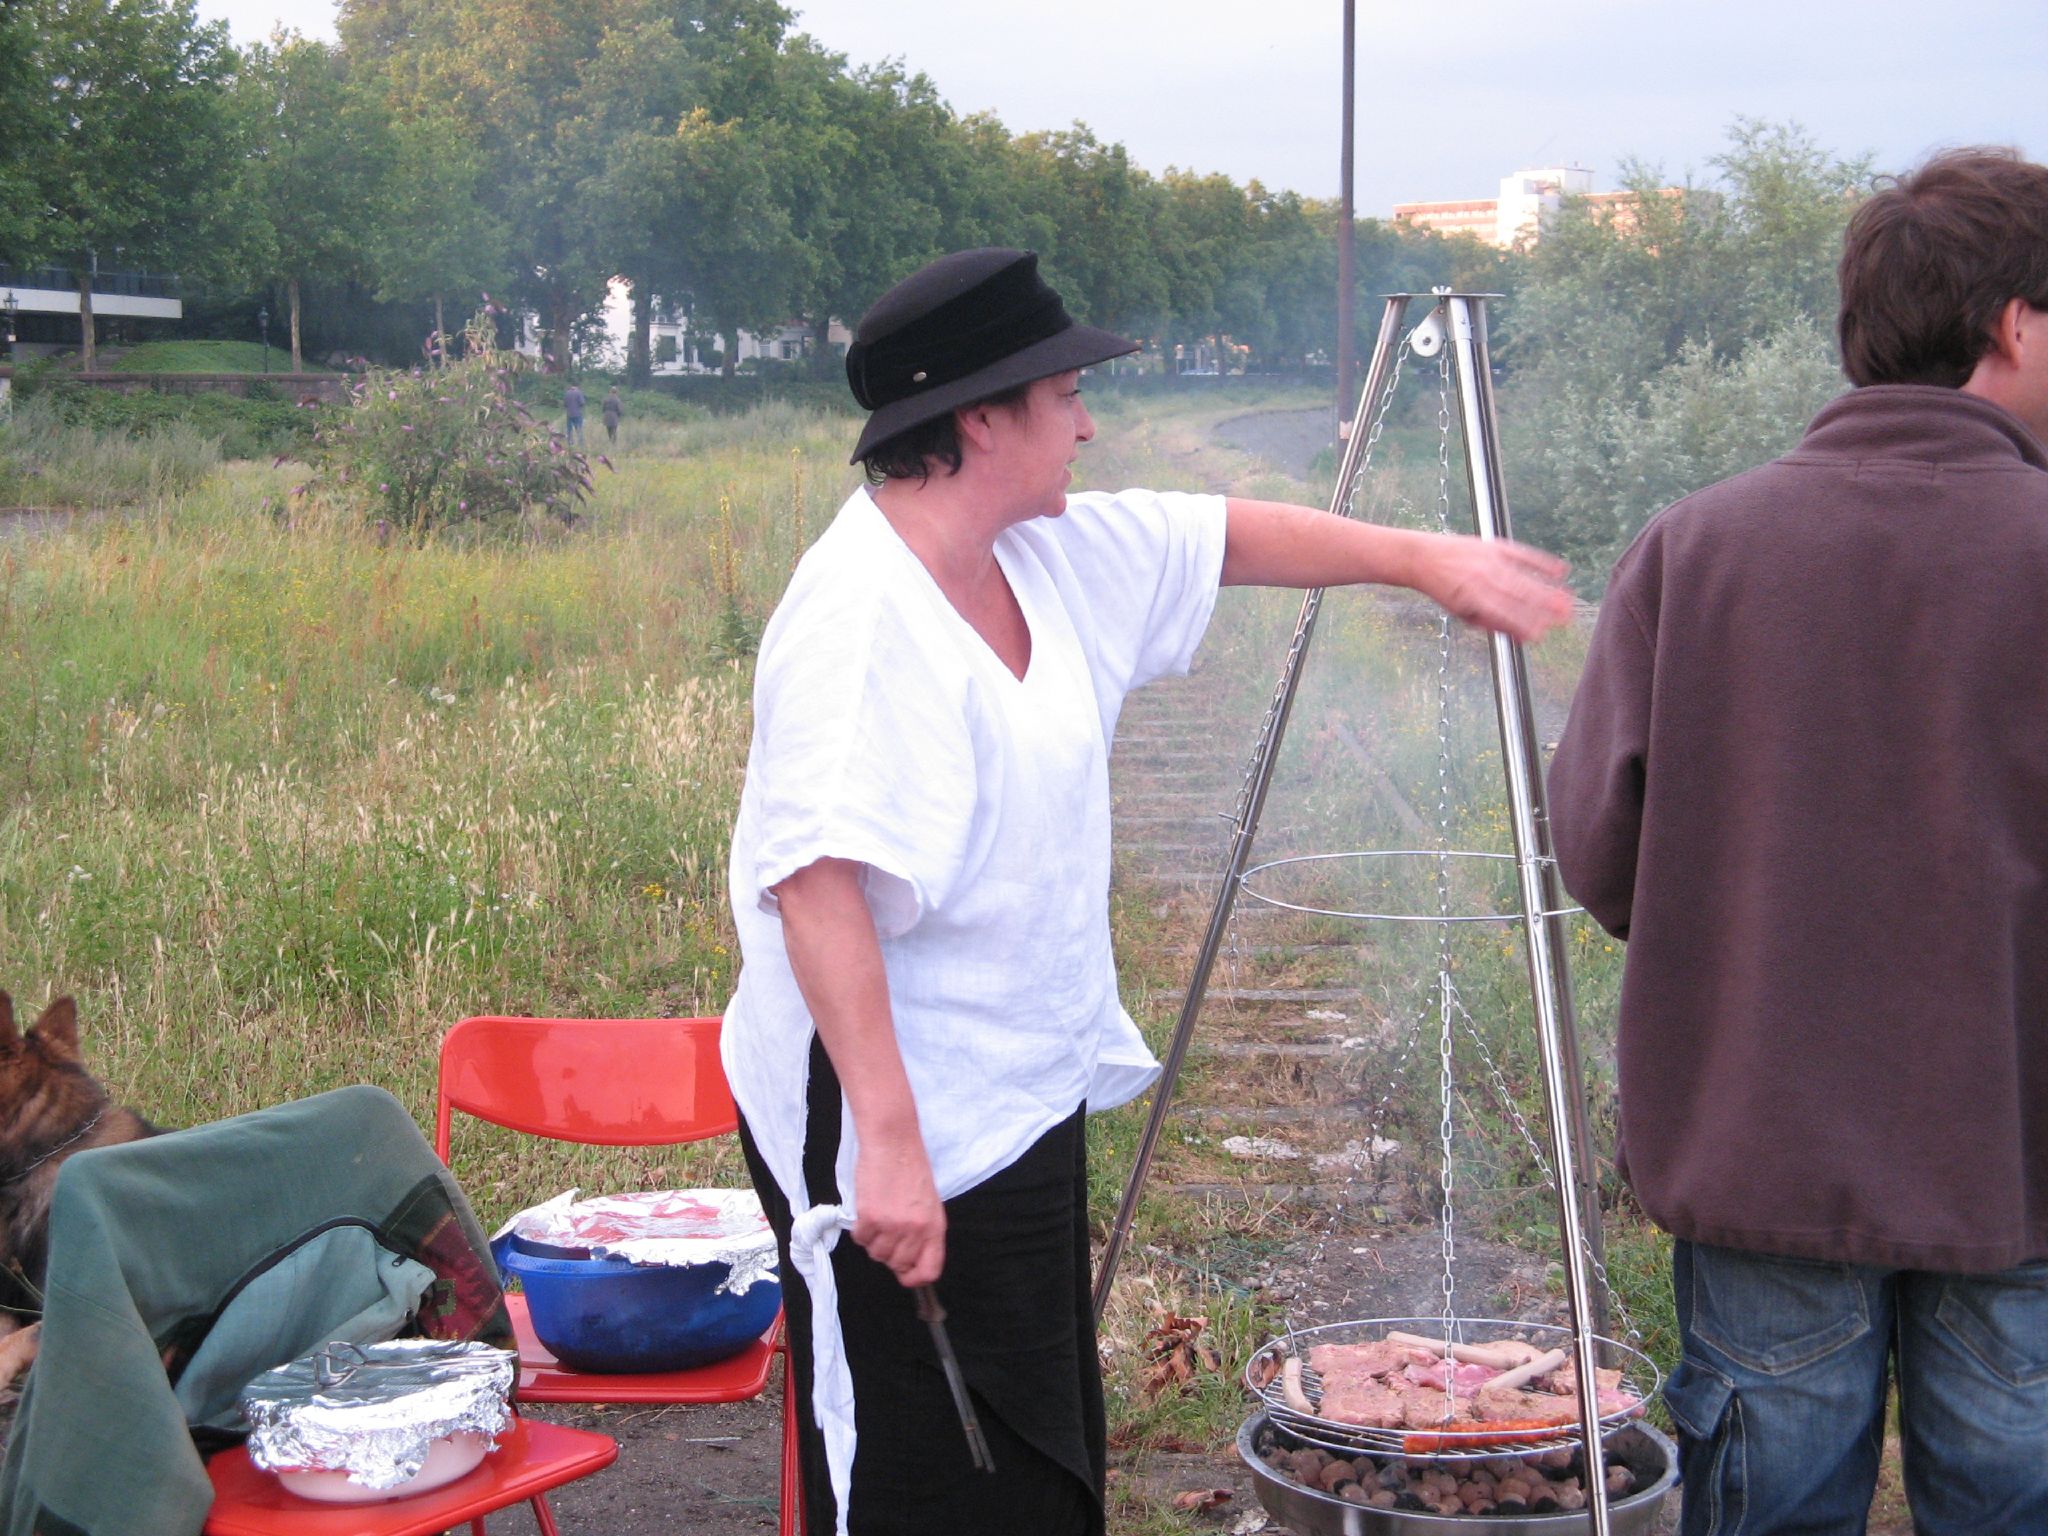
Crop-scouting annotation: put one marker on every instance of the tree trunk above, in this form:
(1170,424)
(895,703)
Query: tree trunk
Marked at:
(440,335)
(731,364)
(85,332)
(563,335)
(639,364)
(821,348)
(292,290)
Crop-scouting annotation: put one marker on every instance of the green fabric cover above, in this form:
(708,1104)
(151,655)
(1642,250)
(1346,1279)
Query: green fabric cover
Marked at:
(157,1245)
(342,1273)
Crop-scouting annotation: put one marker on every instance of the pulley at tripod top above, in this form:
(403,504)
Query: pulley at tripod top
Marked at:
(1427,339)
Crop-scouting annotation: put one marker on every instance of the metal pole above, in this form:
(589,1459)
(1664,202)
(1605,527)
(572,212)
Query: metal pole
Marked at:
(1347,234)
(1549,980)
(1251,803)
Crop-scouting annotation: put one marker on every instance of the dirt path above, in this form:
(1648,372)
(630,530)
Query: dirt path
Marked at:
(1288,440)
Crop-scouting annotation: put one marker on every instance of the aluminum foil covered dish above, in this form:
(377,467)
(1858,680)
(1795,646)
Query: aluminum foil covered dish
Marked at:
(661,1227)
(375,1412)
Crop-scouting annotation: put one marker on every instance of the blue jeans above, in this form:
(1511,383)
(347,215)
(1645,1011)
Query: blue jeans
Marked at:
(575,432)
(1780,1398)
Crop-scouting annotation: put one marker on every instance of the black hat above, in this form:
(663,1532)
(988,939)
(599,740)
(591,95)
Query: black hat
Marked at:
(968,326)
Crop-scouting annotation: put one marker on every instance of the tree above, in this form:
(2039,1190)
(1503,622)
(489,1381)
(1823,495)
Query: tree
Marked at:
(694,170)
(1609,464)
(512,69)
(737,252)
(1104,211)
(876,174)
(1790,200)
(433,233)
(116,75)
(27,127)
(1675,338)
(318,154)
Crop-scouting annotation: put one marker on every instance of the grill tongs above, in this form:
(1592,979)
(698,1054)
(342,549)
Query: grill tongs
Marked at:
(934,1317)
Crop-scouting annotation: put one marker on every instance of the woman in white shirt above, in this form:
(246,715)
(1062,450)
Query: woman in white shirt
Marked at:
(920,876)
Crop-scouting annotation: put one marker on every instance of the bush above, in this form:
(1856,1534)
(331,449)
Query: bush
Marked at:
(1599,467)
(258,427)
(49,461)
(425,451)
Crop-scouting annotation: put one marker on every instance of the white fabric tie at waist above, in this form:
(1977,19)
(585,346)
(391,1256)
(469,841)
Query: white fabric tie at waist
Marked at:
(813,1236)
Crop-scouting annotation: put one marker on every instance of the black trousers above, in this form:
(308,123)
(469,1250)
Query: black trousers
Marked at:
(1020,1317)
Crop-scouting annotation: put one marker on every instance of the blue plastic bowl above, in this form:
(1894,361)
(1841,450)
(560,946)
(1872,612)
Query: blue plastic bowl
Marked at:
(608,1316)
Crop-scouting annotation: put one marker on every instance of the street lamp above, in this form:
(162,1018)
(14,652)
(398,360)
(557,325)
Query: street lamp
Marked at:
(263,330)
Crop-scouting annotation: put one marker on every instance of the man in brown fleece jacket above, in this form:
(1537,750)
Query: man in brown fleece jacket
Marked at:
(1806,777)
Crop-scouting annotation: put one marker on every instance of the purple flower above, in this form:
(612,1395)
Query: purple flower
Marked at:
(607,463)
(383,487)
(277,462)
(405,426)
(391,395)
(462,506)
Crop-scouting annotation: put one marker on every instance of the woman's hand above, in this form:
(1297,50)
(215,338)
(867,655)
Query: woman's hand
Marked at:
(898,1218)
(1496,584)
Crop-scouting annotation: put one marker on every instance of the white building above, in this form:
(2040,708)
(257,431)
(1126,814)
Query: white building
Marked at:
(1528,201)
(42,303)
(675,346)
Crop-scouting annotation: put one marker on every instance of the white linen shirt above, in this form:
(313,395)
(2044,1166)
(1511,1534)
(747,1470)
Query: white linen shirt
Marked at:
(887,732)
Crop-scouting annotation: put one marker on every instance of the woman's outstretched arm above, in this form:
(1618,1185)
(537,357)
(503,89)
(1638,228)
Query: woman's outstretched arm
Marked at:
(1494,583)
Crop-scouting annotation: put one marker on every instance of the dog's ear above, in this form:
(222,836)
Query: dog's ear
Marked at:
(58,1029)
(10,1037)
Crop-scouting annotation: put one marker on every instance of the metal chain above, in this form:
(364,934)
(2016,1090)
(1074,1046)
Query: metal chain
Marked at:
(1506,1100)
(1352,492)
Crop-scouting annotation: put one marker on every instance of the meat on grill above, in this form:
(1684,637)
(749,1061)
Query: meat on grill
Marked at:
(1384,1385)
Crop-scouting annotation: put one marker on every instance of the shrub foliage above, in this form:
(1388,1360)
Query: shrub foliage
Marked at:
(446,448)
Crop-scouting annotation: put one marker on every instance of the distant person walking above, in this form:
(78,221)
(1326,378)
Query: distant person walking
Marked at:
(572,408)
(614,408)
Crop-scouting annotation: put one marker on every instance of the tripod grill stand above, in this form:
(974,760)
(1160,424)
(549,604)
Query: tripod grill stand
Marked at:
(1458,321)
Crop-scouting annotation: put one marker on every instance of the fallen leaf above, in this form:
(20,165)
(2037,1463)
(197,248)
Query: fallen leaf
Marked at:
(1177,1352)
(1201,1499)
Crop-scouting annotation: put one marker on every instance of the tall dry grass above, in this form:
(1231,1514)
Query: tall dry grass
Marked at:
(280,804)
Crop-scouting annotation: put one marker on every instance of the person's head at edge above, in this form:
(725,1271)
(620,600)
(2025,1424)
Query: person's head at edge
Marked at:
(1944,279)
(969,353)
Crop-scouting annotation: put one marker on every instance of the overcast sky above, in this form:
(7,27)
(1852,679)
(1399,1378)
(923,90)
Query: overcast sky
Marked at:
(1451,95)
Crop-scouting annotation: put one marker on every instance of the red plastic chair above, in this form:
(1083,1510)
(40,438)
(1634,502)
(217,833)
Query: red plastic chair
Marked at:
(531,1458)
(615,1083)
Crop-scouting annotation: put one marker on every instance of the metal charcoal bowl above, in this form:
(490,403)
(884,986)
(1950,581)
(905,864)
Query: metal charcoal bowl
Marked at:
(1645,1451)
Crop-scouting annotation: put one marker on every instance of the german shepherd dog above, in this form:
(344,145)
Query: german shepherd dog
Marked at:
(50,1107)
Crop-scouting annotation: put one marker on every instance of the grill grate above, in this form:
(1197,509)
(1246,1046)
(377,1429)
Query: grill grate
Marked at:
(1639,1376)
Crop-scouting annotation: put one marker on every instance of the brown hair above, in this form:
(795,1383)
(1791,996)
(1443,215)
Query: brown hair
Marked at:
(1931,260)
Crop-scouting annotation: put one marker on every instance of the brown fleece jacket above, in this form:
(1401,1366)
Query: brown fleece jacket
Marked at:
(1806,777)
